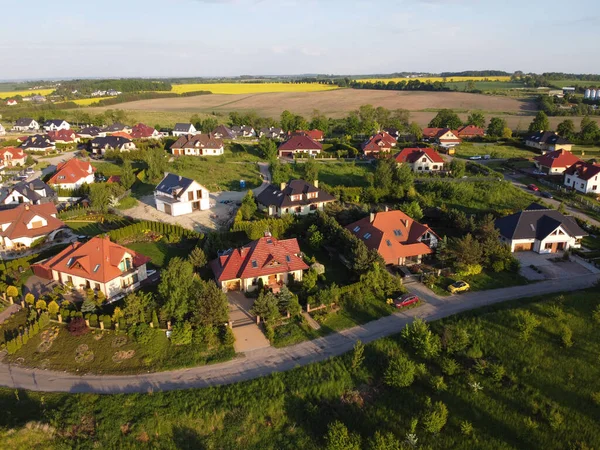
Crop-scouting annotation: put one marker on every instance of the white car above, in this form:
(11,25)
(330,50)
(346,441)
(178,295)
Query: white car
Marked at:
(475,157)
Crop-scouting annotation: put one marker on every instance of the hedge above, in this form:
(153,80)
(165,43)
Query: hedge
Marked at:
(15,344)
(256,229)
(157,227)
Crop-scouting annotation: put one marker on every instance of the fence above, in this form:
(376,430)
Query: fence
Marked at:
(578,200)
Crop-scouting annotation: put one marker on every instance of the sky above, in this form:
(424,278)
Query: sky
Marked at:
(189,38)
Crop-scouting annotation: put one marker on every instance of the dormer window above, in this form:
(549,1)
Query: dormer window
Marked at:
(388,242)
(70,261)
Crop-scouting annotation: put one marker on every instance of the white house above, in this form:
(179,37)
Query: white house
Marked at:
(176,195)
(583,177)
(182,129)
(56,124)
(296,197)
(22,226)
(198,145)
(26,124)
(421,159)
(72,174)
(2,130)
(35,192)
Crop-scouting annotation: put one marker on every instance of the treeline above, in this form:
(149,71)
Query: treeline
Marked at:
(569,105)
(409,85)
(84,87)
(476,73)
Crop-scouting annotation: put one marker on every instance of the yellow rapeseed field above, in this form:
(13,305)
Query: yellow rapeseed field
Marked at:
(88,101)
(434,79)
(250,88)
(11,94)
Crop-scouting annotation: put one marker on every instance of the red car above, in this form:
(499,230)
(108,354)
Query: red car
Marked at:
(405,300)
(533,187)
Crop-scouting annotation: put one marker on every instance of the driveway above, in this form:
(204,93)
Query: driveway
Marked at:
(265,361)
(248,335)
(551,269)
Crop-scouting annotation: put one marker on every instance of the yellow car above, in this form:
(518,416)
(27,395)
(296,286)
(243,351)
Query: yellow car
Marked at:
(459,286)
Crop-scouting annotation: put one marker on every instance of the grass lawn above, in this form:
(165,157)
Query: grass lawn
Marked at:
(127,203)
(586,151)
(484,281)
(535,394)
(467,150)
(340,173)
(84,228)
(217,173)
(107,168)
(160,252)
(591,242)
(335,271)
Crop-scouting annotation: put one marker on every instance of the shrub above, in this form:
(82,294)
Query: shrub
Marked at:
(78,327)
(182,334)
(338,438)
(526,323)
(358,356)
(41,304)
(424,342)
(53,308)
(497,371)
(107,322)
(438,384)
(596,398)
(449,366)
(474,352)
(400,372)
(596,314)
(466,428)
(435,418)
(94,320)
(228,337)
(566,336)
(466,270)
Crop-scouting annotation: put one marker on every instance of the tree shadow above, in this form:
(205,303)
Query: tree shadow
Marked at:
(186,438)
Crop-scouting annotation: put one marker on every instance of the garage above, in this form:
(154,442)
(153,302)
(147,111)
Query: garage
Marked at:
(234,285)
(524,247)
(168,209)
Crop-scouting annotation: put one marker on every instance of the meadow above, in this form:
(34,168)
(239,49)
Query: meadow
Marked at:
(502,388)
(27,93)
(467,149)
(251,88)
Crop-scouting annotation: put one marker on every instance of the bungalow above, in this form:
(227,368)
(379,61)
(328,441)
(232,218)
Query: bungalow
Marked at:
(176,195)
(300,145)
(100,145)
(63,136)
(223,132)
(315,135)
(243,131)
(583,177)
(72,174)
(380,143)
(33,192)
(38,143)
(142,131)
(540,230)
(91,132)
(26,124)
(271,132)
(556,162)
(12,156)
(547,141)
(97,264)
(469,132)
(117,127)
(11,102)
(22,226)
(296,197)
(444,137)
(421,159)
(56,124)
(198,145)
(395,236)
(267,261)
(182,129)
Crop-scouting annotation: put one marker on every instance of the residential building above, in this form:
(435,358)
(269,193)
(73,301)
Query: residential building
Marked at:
(583,177)
(33,192)
(539,230)
(100,145)
(547,141)
(223,132)
(91,132)
(267,261)
(556,162)
(396,237)
(64,136)
(271,132)
(12,156)
(198,145)
(245,131)
(56,124)
(421,159)
(117,127)
(26,124)
(142,131)
(72,174)
(97,264)
(296,197)
(38,143)
(470,131)
(182,129)
(2,130)
(300,145)
(11,102)
(22,226)
(176,195)
(444,137)
(315,135)
(382,142)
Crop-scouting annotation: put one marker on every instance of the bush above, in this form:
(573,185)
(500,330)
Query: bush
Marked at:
(400,372)
(107,322)
(94,320)
(497,372)
(435,418)
(182,334)
(566,336)
(78,327)
(228,337)
(449,366)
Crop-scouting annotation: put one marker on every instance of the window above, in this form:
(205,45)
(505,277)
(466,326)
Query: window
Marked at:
(356,229)
(419,168)
(96,286)
(70,261)
(255,264)
(299,209)
(367,235)
(287,258)
(389,243)
(37,224)
(548,245)
(313,207)
(398,233)
(424,160)
(434,167)
(190,196)
(96,268)
(199,194)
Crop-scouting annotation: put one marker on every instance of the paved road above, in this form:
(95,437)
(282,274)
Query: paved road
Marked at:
(263,362)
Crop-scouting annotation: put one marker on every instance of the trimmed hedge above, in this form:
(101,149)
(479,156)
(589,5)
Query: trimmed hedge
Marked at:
(15,344)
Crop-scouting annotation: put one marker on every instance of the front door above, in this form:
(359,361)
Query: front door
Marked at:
(196,206)
(560,246)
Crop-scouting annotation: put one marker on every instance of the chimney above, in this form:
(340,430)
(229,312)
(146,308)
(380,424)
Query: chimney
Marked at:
(387,208)
(372,217)
(282,186)
(316,183)
(26,206)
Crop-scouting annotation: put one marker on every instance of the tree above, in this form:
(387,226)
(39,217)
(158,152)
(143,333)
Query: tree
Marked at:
(338,438)
(309,280)
(210,304)
(381,441)
(88,306)
(41,304)
(413,210)
(446,118)
(566,129)
(539,123)
(310,171)
(415,130)
(248,207)
(117,313)
(266,307)
(400,372)
(435,418)
(29,298)
(12,292)
(287,121)
(288,302)
(137,305)
(507,133)
(127,175)
(197,258)
(476,118)
(496,127)
(156,162)
(319,121)
(100,196)
(526,323)
(466,250)
(267,148)
(175,288)
(458,168)
(589,130)
(358,356)
(352,125)
(208,125)
(182,334)
(425,343)
(384,173)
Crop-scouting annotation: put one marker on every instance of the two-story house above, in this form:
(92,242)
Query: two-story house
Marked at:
(547,141)
(267,261)
(39,143)
(300,145)
(91,132)
(421,159)
(444,137)
(97,264)
(56,124)
(223,132)
(470,132)
(143,131)
(583,177)
(117,127)
(100,145)
(176,195)
(380,143)
(12,156)
(296,197)
(245,131)
(271,132)
(26,124)
(72,174)
(182,129)
(34,192)
(198,145)
(22,226)
(556,162)
(63,136)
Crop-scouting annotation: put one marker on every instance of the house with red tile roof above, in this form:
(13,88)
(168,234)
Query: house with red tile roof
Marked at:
(382,142)
(396,237)
(275,262)
(198,145)
(444,137)
(300,145)
(12,156)
(315,135)
(97,264)
(583,177)
(72,174)
(556,162)
(63,136)
(143,131)
(22,226)
(470,131)
(421,159)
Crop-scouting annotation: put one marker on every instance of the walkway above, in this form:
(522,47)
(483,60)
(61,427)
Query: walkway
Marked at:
(266,361)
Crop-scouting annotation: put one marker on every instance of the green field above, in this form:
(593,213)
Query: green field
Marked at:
(486,86)
(216,173)
(467,150)
(586,151)
(482,282)
(160,252)
(85,228)
(574,83)
(340,174)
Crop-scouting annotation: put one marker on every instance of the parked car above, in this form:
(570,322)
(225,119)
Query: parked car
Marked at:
(459,286)
(533,187)
(547,194)
(29,171)
(487,157)
(405,300)
(475,157)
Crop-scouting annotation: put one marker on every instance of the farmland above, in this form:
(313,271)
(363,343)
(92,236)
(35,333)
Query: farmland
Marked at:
(434,79)
(11,94)
(88,101)
(250,88)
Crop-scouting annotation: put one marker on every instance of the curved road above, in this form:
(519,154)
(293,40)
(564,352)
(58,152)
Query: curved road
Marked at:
(267,361)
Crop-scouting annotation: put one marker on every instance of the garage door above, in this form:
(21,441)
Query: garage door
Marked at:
(168,209)
(524,247)
(233,285)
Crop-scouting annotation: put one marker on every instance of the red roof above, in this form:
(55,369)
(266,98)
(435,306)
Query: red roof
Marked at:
(300,143)
(470,131)
(412,155)
(557,159)
(583,170)
(380,142)
(316,135)
(16,153)
(98,259)
(122,134)
(393,234)
(265,256)
(431,132)
(114,179)
(72,170)
(141,131)
(19,217)
(439,132)
(62,135)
